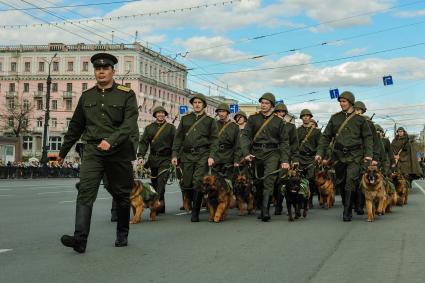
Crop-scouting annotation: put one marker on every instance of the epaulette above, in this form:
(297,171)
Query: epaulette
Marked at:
(123,88)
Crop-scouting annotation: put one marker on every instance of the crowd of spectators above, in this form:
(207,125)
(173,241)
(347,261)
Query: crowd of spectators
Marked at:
(33,169)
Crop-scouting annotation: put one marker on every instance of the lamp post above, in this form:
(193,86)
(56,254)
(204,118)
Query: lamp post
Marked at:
(44,158)
(395,124)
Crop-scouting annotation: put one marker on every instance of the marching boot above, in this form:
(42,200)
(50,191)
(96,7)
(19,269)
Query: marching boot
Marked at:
(348,213)
(360,202)
(161,208)
(82,229)
(197,202)
(278,208)
(265,207)
(123,213)
(182,207)
(114,216)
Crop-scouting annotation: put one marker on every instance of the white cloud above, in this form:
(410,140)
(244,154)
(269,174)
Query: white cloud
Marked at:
(411,14)
(356,51)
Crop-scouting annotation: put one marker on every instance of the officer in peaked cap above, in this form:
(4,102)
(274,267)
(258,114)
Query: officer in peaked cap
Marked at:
(103,59)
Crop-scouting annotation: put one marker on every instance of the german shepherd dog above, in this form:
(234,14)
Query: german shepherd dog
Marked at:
(293,196)
(244,193)
(138,203)
(401,188)
(326,188)
(391,196)
(218,197)
(373,187)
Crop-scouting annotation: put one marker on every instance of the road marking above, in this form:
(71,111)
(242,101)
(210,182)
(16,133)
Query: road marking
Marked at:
(5,250)
(5,195)
(48,193)
(420,187)
(186,213)
(72,201)
(5,189)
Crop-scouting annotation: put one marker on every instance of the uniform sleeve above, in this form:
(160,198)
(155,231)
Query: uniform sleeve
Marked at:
(143,144)
(178,140)
(294,145)
(367,139)
(213,138)
(236,155)
(246,137)
(325,139)
(75,129)
(284,147)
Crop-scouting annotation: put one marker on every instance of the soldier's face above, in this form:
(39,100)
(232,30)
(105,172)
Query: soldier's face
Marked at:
(345,104)
(160,116)
(358,111)
(240,120)
(104,74)
(280,113)
(198,105)
(400,133)
(306,119)
(222,115)
(265,105)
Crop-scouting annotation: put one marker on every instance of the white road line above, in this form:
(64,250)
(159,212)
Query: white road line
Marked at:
(72,201)
(420,187)
(60,192)
(5,250)
(186,213)
(5,189)
(5,195)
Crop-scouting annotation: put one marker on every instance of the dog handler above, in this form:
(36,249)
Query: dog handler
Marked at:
(106,119)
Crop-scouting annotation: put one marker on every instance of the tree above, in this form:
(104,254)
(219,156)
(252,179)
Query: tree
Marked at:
(14,116)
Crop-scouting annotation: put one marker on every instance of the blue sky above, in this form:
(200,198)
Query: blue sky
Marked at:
(191,37)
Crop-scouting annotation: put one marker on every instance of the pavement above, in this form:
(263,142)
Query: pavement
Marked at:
(320,248)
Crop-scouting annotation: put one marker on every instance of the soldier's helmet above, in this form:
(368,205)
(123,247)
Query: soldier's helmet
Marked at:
(378,128)
(401,129)
(306,112)
(314,122)
(268,96)
(349,96)
(240,114)
(281,107)
(223,106)
(360,105)
(103,59)
(159,109)
(199,96)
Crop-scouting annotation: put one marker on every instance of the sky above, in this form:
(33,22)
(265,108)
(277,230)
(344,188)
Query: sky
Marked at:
(296,49)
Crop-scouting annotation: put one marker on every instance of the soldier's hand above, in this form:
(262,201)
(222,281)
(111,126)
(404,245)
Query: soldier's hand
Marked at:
(210,162)
(104,145)
(318,158)
(174,161)
(374,163)
(285,165)
(60,160)
(236,165)
(325,162)
(368,159)
(141,162)
(249,157)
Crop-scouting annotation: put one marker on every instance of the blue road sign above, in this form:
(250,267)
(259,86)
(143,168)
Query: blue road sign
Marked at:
(183,109)
(334,93)
(234,108)
(388,80)
(280,101)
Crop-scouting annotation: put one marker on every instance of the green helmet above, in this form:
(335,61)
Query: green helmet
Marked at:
(378,128)
(268,96)
(281,107)
(240,113)
(360,105)
(306,112)
(199,96)
(349,96)
(401,129)
(159,109)
(223,106)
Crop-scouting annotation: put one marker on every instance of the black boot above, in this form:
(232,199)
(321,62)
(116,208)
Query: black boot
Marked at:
(82,229)
(278,208)
(161,209)
(348,213)
(265,206)
(360,202)
(123,213)
(197,202)
(114,216)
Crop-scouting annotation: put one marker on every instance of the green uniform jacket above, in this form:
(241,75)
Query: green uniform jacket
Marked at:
(378,147)
(354,142)
(308,149)
(408,163)
(109,114)
(203,139)
(388,150)
(228,142)
(160,149)
(273,134)
(291,129)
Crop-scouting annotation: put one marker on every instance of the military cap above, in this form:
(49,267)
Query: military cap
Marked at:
(349,96)
(199,96)
(360,105)
(378,128)
(281,107)
(159,109)
(401,129)
(103,59)
(240,113)
(268,96)
(223,106)
(305,112)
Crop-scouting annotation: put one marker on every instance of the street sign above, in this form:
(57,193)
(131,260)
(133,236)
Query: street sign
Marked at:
(334,93)
(184,109)
(234,108)
(388,80)
(280,101)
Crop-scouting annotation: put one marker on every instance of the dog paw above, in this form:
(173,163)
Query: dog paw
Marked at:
(291,219)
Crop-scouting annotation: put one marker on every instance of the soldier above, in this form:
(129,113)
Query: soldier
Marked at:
(158,137)
(197,140)
(106,119)
(352,145)
(281,111)
(266,140)
(308,137)
(241,119)
(387,148)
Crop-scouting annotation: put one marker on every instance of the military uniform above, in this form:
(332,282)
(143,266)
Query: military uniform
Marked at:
(111,115)
(158,138)
(195,141)
(353,143)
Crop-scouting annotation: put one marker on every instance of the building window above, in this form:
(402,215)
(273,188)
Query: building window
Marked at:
(39,103)
(40,122)
(68,120)
(128,85)
(41,66)
(11,87)
(146,68)
(55,143)
(10,122)
(140,87)
(1,67)
(54,87)
(68,104)
(150,90)
(54,122)
(26,104)
(146,89)
(40,87)
(69,87)
(27,143)
(85,66)
(55,66)
(54,105)
(84,86)
(27,67)
(10,103)
(26,87)
(70,66)
(128,66)
(24,124)
(13,67)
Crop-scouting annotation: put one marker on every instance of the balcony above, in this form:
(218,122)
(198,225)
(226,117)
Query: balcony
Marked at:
(68,94)
(39,94)
(11,94)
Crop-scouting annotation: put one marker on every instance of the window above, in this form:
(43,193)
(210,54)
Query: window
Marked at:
(54,87)
(40,87)
(84,86)
(54,105)
(27,143)
(150,90)
(1,67)
(55,66)
(11,87)
(10,122)
(159,93)
(69,87)
(41,66)
(13,67)
(26,87)
(146,89)
(68,104)
(54,122)
(146,68)
(24,123)
(140,87)
(128,85)
(39,103)
(128,66)
(85,66)
(70,66)
(11,103)
(40,122)
(55,143)
(68,120)
(26,104)
(27,67)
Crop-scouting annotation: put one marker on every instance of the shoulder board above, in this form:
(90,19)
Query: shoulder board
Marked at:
(190,112)
(89,89)
(123,88)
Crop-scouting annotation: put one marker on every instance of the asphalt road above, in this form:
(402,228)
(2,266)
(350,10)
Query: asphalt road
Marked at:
(321,248)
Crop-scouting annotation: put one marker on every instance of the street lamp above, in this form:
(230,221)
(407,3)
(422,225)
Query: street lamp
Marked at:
(47,114)
(395,123)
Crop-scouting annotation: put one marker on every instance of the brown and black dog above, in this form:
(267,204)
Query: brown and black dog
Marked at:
(401,188)
(244,192)
(293,196)
(391,196)
(138,203)
(373,187)
(218,197)
(326,188)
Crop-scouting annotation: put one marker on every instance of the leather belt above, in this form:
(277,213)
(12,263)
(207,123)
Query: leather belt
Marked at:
(265,145)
